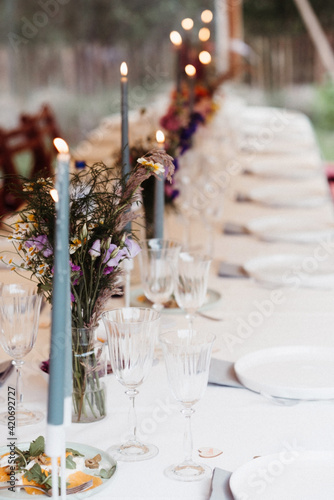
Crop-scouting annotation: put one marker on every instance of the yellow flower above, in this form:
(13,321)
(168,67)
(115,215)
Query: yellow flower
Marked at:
(76,243)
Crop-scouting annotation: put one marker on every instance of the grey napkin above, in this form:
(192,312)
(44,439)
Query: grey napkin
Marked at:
(243,197)
(230,270)
(222,373)
(220,487)
(234,228)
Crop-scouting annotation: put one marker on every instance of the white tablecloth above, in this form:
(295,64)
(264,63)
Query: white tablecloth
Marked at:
(239,422)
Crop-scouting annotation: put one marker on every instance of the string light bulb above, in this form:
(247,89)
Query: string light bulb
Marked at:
(187,23)
(206,16)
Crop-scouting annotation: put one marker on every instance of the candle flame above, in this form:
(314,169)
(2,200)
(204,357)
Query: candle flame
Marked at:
(204,34)
(204,57)
(124,69)
(187,23)
(60,145)
(54,195)
(190,70)
(175,38)
(160,137)
(207,16)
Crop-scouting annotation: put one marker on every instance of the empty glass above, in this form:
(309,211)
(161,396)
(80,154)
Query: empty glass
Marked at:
(131,333)
(155,259)
(191,273)
(187,357)
(19,316)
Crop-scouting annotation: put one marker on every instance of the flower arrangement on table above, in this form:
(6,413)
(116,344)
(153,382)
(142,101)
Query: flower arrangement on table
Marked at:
(100,202)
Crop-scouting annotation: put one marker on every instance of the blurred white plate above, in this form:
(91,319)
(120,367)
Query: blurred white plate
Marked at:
(138,299)
(297,372)
(282,228)
(291,195)
(292,270)
(288,475)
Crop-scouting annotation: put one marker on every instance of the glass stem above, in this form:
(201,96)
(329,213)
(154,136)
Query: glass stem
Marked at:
(191,318)
(210,242)
(19,393)
(187,439)
(132,414)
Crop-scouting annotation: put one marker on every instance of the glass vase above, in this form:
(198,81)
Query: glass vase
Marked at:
(89,367)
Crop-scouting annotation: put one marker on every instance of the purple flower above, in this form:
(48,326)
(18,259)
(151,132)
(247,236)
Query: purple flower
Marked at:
(72,297)
(74,267)
(131,248)
(107,270)
(112,261)
(41,243)
(95,251)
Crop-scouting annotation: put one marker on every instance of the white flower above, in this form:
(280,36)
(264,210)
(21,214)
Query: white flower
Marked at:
(156,167)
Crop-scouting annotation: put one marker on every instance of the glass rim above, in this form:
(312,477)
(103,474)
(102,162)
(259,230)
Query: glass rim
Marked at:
(163,336)
(157,313)
(175,243)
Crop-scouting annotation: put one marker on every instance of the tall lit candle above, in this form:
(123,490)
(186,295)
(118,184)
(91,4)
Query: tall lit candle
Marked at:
(125,119)
(191,72)
(159,194)
(176,40)
(60,375)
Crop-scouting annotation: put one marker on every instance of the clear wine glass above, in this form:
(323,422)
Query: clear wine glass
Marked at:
(131,333)
(191,274)
(19,317)
(187,357)
(156,258)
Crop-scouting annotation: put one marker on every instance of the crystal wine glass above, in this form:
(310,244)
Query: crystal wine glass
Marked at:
(187,358)
(156,258)
(191,282)
(19,316)
(131,333)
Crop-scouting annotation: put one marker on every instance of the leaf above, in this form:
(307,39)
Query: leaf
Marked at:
(37,447)
(70,463)
(36,474)
(107,473)
(75,453)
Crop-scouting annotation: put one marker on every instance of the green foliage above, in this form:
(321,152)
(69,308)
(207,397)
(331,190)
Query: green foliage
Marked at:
(323,114)
(274,17)
(127,22)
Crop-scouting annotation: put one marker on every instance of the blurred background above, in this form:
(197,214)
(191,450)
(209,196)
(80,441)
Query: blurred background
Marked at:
(68,53)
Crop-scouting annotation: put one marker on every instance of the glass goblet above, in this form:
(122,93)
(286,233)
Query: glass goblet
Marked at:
(156,258)
(19,316)
(131,333)
(187,357)
(191,274)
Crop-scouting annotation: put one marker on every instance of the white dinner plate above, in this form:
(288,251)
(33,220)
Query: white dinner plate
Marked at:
(88,451)
(293,271)
(294,230)
(138,299)
(288,475)
(291,195)
(288,167)
(296,372)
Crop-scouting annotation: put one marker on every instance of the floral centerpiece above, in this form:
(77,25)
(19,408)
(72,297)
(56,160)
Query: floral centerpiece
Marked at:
(100,209)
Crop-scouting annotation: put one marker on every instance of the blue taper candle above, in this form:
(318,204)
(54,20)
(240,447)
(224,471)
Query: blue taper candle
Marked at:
(159,195)
(125,119)
(60,375)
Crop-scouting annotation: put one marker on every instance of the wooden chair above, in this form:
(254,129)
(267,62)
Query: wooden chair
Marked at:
(28,150)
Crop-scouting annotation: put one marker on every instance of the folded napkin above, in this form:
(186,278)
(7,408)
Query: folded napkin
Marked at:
(222,373)
(234,228)
(220,487)
(230,270)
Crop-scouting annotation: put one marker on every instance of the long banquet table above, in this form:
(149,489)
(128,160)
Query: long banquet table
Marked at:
(239,422)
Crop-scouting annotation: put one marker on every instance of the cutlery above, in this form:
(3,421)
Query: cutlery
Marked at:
(48,493)
(207,316)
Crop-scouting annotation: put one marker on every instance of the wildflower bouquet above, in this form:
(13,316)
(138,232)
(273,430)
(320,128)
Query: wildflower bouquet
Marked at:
(100,209)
